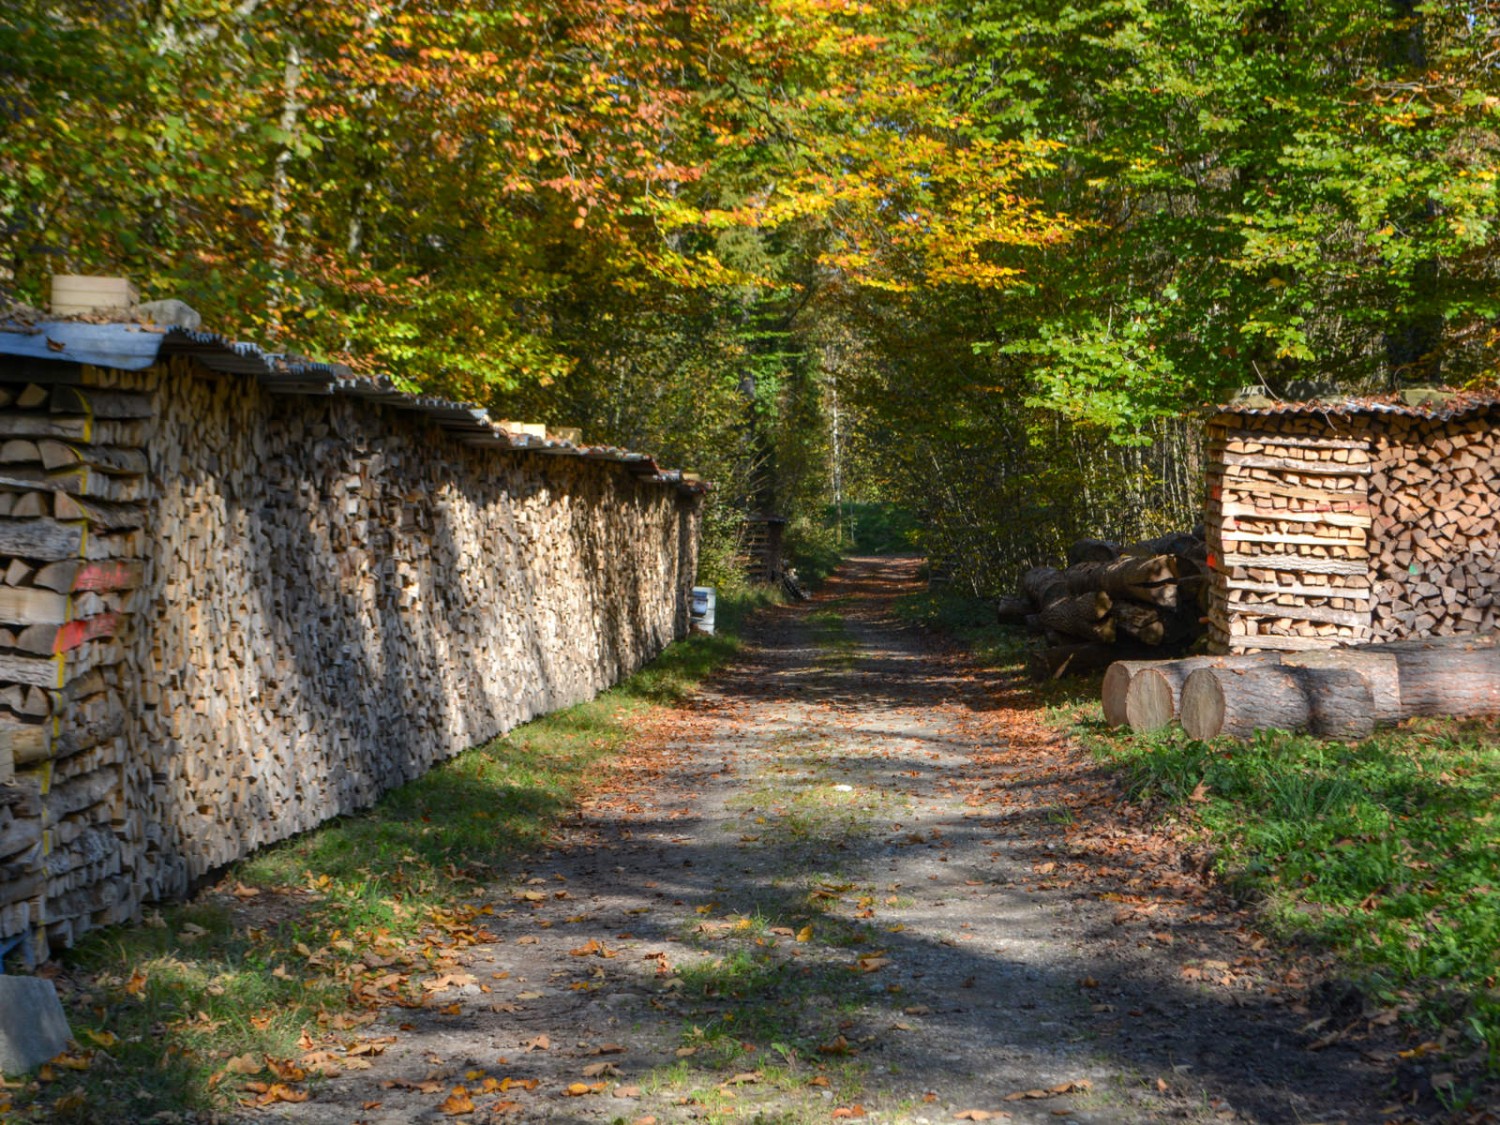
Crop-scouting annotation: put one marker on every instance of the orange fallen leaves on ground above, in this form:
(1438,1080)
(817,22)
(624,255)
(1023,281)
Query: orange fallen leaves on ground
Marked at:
(270,1094)
(458,1101)
(1061,1088)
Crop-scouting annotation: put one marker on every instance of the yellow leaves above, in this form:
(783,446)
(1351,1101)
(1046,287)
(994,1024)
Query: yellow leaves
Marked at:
(136,985)
(580,1089)
(805,933)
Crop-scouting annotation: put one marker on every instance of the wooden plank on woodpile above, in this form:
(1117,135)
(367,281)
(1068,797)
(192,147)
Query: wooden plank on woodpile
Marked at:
(1292,465)
(44,540)
(1296,563)
(1352,617)
(20,605)
(1295,515)
(74,575)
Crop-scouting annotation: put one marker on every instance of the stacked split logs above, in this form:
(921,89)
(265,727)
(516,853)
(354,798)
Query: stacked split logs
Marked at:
(73,492)
(1336,693)
(1371,521)
(1111,602)
(1435,493)
(227,615)
(1289,521)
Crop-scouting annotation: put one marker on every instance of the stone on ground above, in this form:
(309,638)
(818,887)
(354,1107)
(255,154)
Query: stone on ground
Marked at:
(33,1028)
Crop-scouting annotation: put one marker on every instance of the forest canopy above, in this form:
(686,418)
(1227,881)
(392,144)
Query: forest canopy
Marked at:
(984,260)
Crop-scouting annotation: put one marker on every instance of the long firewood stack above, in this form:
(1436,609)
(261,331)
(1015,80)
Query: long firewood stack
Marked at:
(1112,602)
(73,493)
(1289,532)
(1435,491)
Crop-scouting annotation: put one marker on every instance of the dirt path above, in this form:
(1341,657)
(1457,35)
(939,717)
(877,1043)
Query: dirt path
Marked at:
(856,880)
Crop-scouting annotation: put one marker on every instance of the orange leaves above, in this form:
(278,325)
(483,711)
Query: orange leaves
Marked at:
(458,1101)
(592,948)
(1082,1085)
(271,1093)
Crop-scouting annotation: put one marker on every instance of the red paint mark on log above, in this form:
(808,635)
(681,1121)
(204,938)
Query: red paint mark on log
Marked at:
(75,633)
(107,576)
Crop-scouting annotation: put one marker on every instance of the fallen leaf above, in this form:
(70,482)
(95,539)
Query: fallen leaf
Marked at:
(458,1101)
(540,1043)
(244,1064)
(805,933)
(601,1070)
(606,1049)
(745,1078)
(625,1092)
(855,1110)
(981,1115)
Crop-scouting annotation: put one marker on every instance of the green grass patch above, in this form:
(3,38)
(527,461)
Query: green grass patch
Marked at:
(1387,850)
(177,1015)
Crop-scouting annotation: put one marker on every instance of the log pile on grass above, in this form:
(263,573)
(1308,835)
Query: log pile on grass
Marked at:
(1336,693)
(1145,600)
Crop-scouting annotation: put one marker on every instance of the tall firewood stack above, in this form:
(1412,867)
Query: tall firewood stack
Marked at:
(1112,602)
(1353,521)
(1289,521)
(1435,494)
(73,492)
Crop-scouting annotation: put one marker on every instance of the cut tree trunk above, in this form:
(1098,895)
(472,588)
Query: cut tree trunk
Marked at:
(1085,616)
(1117,678)
(1237,701)
(1454,676)
(1379,669)
(1012,610)
(1092,550)
(1043,584)
(1123,577)
(1153,695)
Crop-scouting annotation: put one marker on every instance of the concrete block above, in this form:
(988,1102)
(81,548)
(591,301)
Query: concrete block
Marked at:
(33,1028)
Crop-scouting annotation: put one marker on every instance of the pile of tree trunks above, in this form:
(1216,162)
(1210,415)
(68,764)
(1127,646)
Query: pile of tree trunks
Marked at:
(1336,693)
(1110,601)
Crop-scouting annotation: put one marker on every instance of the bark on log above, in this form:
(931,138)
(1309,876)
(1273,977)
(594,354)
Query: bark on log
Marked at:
(1123,576)
(1012,610)
(1092,550)
(1453,676)
(1379,669)
(1085,616)
(1043,584)
(1236,702)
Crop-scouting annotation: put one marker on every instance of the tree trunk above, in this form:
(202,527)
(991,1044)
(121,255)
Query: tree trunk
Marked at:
(1011,610)
(1456,676)
(1153,695)
(1331,701)
(1043,584)
(1124,577)
(1085,616)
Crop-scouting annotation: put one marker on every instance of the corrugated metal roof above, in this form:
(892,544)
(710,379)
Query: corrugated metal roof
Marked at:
(135,347)
(1440,403)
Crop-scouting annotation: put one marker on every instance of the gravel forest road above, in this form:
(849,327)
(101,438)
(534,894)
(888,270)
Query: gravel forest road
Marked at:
(858,878)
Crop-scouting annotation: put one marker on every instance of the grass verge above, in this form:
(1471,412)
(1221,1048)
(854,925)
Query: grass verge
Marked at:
(250,990)
(1385,852)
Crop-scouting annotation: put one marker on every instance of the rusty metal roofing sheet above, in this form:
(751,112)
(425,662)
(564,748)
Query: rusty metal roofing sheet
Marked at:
(135,347)
(1442,405)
